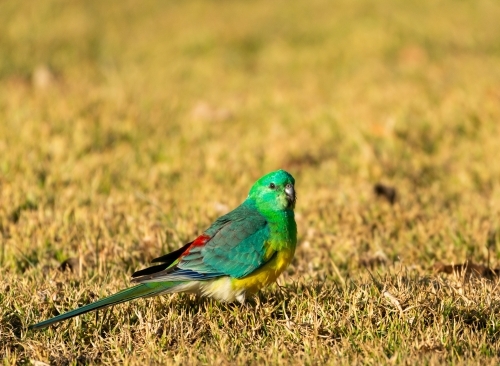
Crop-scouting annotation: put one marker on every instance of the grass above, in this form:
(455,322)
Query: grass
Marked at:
(127,128)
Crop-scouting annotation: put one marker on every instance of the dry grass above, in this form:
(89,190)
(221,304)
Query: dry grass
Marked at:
(127,128)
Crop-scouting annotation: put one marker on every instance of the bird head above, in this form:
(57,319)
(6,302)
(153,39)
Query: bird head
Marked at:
(274,191)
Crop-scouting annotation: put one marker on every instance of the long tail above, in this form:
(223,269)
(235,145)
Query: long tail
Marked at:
(142,290)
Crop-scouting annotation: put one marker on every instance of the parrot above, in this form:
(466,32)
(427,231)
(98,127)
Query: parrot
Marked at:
(242,252)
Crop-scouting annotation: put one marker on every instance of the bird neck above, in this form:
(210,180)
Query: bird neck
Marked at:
(282,227)
(283,230)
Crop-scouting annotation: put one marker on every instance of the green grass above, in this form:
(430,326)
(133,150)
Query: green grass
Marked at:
(126,128)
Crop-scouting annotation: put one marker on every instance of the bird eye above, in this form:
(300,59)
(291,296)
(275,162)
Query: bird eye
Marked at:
(272,186)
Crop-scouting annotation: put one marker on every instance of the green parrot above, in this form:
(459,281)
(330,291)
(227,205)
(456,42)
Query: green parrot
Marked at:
(240,253)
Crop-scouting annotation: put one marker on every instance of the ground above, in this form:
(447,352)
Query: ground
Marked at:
(126,128)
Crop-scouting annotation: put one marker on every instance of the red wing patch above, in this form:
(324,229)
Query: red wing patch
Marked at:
(198,242)
(171,259)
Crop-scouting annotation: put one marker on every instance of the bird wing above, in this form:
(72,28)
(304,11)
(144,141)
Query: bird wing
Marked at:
(235,245)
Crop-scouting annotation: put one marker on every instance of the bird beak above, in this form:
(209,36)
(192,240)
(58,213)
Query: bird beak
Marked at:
(290,194)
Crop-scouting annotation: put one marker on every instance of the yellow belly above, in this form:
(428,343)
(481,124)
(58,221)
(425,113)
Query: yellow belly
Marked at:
(265,275)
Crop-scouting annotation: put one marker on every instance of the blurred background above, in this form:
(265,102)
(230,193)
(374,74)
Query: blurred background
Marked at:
(127,127)
(130,119)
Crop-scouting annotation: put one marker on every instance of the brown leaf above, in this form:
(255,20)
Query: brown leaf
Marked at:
(469,268)
(71,263)
(387,192)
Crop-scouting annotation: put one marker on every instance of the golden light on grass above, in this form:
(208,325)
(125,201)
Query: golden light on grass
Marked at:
(126,128)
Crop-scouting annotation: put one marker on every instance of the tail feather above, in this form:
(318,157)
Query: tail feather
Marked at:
(142,290)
